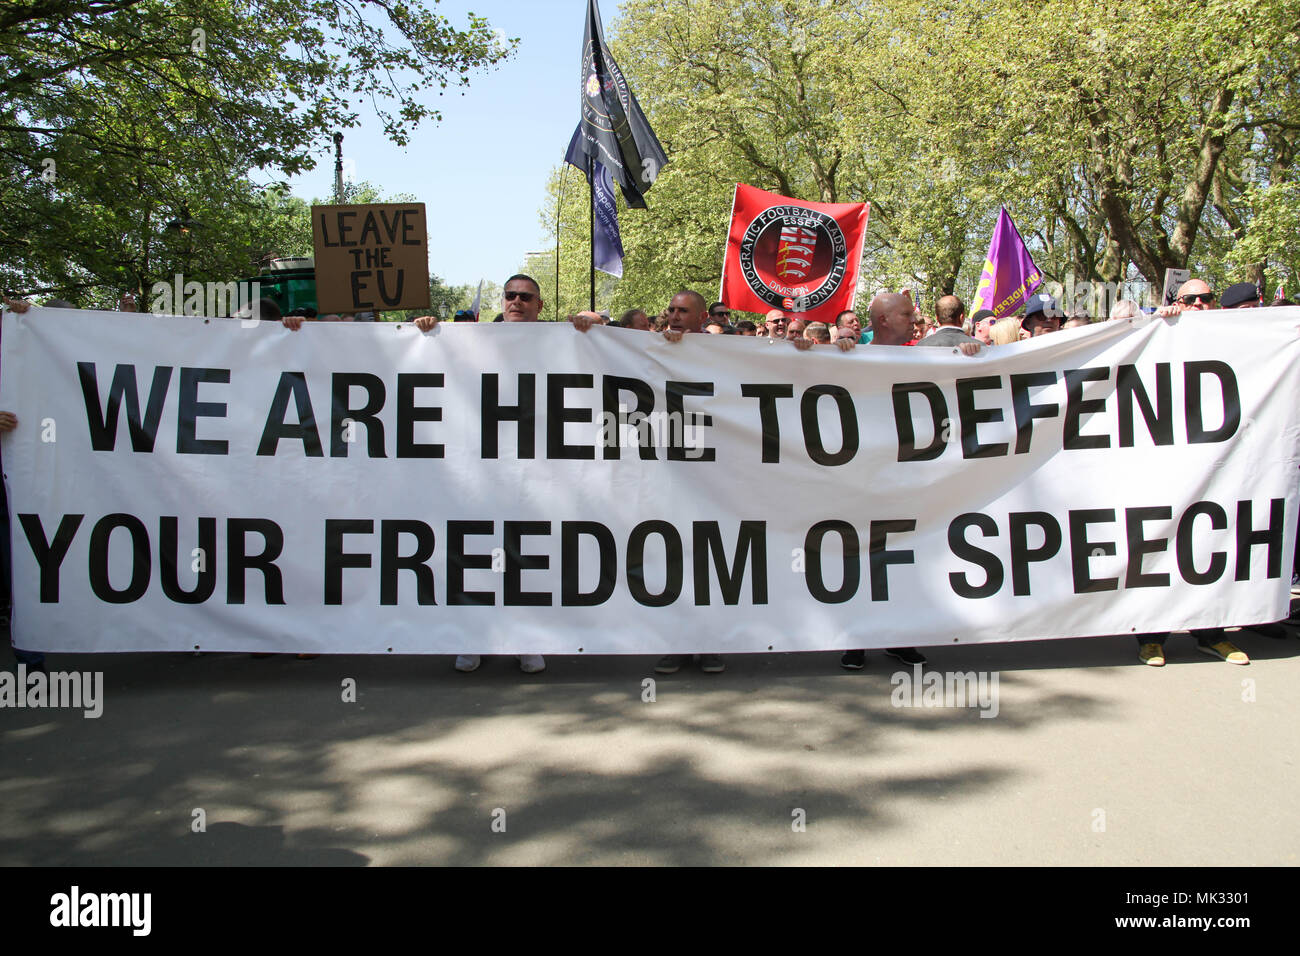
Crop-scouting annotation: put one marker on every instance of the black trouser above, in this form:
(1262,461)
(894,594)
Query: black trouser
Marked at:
(31,658)
(1205,636)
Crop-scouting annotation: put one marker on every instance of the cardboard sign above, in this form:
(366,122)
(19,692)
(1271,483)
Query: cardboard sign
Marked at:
(1174,278)
(371,258)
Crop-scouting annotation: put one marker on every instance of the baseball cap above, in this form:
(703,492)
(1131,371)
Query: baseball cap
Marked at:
(1239,293)
(1043,303)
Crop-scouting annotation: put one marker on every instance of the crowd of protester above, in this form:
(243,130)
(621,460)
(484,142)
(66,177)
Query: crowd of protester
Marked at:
(893,319)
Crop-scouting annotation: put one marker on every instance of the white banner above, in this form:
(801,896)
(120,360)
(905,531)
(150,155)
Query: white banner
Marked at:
(181,483)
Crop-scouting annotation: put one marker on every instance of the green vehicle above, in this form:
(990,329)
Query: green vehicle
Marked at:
(290,283)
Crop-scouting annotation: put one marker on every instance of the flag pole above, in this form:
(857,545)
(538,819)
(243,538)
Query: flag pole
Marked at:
(591,211)
(559,210)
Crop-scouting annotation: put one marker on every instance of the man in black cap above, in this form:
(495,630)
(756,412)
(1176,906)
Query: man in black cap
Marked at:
(1240,295)
(1041,315)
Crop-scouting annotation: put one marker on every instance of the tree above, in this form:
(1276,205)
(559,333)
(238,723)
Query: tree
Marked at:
(1124,139)
(121,115)
(1129,136)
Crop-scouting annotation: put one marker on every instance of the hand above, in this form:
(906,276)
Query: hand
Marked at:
(425,323)
(969,349)
(802,344)
(585,320)
(292,322)
(846,343)
(1165,311)
(18,306)
(8,421)
(672,336)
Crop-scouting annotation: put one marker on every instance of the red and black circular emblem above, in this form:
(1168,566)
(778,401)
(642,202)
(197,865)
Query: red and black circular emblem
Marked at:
(793,258)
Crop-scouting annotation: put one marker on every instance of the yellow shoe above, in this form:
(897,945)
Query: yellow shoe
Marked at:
(1152,654)
(1225,651)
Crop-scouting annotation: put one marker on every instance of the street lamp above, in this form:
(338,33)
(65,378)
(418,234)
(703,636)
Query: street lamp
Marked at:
(184,223)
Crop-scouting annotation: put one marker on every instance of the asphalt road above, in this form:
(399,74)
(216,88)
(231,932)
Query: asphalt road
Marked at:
(1092,758)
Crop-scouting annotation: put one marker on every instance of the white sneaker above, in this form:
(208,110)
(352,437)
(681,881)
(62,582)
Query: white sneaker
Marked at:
(466,663)
(532,663)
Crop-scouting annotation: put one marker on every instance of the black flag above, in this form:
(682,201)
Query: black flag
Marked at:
(613,129)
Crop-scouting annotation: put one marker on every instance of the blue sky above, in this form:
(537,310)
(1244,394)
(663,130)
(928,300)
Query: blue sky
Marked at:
(482,171)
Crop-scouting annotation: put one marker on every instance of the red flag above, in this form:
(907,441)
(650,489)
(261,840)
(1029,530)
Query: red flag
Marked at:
(800,257)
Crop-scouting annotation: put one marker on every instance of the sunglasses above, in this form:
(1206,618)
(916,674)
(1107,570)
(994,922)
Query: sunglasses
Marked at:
(1189,298)
(521,296)
(720,315)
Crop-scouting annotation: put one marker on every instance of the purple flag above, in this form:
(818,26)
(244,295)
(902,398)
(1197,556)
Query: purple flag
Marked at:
(1009,274)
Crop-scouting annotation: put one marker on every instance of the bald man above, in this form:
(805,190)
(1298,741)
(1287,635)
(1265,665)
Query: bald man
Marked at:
(687,312)
(774,321)
(892,315)
(1194,295)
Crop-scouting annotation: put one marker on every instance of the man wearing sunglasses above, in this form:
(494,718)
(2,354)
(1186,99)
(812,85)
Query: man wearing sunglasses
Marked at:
(522,299)
(1042,316)
(522,302)
(1194,295)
